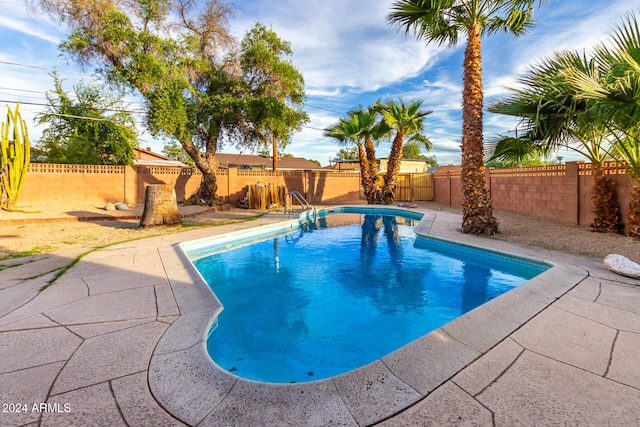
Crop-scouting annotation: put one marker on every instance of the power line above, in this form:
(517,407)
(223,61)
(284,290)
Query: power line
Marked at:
(40,104)
(323,108)
(43,68)
(21,90)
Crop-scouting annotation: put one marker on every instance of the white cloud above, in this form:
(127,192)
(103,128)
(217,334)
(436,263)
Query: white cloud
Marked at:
(349,56)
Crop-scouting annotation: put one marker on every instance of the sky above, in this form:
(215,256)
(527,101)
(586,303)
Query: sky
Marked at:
(348,55)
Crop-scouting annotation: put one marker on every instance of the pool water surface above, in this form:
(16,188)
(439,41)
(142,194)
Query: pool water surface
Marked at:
(342,292)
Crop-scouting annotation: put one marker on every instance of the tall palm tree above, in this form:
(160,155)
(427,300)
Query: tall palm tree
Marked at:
(443,21)
(349,131)
(553,116)
(407,121)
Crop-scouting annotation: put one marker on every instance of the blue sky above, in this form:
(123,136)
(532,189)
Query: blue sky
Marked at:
(348,55)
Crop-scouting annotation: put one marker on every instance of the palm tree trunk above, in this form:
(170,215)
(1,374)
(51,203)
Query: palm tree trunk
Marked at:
(633,218)
(393,167)
(372,171)
(364,174)
(477,213)
(606,211)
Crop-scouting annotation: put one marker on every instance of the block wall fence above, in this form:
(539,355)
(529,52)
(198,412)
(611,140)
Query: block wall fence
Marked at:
(560,192)
(89,185)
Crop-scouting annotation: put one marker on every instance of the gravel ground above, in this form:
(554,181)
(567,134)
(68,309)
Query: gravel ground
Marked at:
(16,240)
(557,235)
(36,238)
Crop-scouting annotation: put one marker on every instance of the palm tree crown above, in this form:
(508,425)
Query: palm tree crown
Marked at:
(442,21)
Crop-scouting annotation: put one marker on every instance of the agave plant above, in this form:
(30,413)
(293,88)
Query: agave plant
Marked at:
(15,152)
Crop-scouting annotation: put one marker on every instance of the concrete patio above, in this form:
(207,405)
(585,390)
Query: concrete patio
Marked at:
(118,340)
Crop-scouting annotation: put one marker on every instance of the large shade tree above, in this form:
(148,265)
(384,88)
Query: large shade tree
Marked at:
(444,21)
(181,58)
(406,121)
(553,116)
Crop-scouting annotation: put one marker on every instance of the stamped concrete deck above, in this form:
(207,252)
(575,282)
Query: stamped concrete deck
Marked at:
(119,340)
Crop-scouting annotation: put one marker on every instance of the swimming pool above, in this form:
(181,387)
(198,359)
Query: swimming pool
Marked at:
(314,300)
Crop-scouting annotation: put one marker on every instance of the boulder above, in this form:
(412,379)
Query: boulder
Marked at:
(622,265)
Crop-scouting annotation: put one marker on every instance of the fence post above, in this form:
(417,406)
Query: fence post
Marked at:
(487,181)
(573,178)
(449,182)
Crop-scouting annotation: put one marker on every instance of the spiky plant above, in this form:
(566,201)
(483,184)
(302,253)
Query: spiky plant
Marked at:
(15,152)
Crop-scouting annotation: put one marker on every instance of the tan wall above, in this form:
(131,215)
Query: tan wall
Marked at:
(74,185)
(560,192)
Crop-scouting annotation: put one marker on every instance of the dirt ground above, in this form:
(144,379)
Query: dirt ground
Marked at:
(33,238)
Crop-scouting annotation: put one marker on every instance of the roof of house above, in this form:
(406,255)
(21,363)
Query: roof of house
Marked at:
(344,166)
(146,157)
(262,162)
(442,170)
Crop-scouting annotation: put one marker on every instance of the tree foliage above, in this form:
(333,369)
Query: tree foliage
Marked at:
(350,153)
(612,88)
(175,151)
(588,103)
(275,86)
(412,150)
(88,128)
(182,59)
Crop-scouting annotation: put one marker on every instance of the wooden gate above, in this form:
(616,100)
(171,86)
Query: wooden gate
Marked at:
(413,187)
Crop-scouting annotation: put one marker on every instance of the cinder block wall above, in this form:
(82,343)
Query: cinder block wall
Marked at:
(561,192)
(82,185)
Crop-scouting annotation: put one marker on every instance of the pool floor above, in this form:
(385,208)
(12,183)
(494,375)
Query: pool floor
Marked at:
(348,273)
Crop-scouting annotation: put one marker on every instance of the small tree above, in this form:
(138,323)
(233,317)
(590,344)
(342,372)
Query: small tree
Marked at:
(350,153)
(14,157)
(554,115)
(412,150)
(92,130)
(176,152)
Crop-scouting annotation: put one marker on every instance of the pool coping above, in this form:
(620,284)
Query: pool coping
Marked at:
(181,372)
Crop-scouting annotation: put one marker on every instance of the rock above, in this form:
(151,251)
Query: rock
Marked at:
(622,265)
(110,207)
(122,206)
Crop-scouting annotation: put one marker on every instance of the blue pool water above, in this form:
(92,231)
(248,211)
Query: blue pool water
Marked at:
(341,293)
